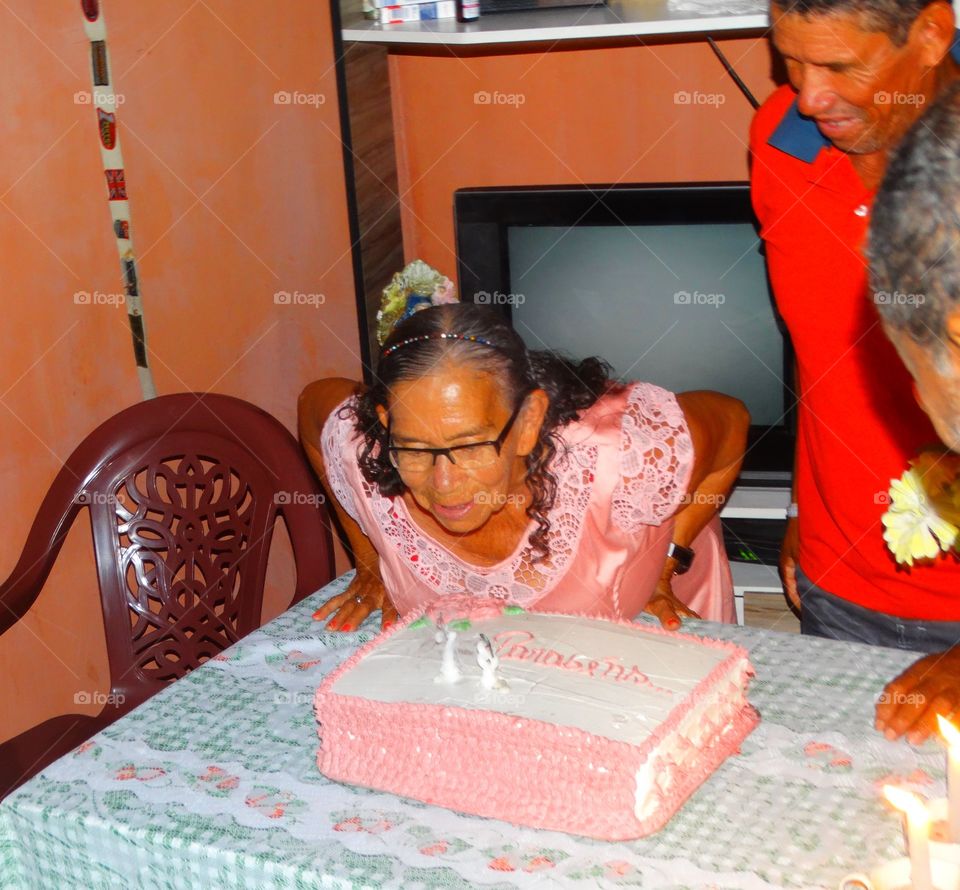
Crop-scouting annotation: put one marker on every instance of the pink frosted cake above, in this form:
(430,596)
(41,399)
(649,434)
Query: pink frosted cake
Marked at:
(593,727)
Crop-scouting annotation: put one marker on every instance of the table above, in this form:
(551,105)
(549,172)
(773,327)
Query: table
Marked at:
(213,783)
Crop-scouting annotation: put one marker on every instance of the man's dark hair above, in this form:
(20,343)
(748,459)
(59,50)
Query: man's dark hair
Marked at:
(893,17)
(914,244)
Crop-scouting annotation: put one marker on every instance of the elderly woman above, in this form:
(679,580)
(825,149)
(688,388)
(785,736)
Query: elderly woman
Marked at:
(474,465)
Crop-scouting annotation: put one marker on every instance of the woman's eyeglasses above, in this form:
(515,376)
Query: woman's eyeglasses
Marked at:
(475,456)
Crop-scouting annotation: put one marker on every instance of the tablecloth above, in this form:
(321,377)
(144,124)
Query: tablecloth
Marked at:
(213,783)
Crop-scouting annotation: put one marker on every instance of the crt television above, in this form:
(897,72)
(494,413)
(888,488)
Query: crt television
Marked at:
(667,282)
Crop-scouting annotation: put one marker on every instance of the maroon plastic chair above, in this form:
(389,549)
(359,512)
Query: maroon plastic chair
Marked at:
(183,492)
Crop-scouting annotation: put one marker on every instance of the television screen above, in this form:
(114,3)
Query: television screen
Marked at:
(685,306)
(666,281)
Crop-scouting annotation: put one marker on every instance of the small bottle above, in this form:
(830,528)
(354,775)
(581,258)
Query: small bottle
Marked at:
(468,10)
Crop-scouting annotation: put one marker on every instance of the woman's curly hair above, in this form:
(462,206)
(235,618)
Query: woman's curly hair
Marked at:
(570,386)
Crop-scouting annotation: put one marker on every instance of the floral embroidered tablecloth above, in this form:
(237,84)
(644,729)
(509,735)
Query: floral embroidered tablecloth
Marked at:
(213,783)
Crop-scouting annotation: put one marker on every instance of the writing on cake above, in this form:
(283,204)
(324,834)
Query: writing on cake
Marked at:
(520,645)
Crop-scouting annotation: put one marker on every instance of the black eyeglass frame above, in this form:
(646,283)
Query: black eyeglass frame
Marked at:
(448,452)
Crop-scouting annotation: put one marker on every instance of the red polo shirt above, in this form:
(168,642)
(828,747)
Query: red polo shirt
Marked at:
(858,423)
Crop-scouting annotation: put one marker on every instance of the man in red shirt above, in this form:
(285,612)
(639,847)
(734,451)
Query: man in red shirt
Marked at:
(913,252)
(861,72)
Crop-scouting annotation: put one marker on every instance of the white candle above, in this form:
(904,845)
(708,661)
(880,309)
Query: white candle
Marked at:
(952,736)
(489,662)
(918,834)
(449,667)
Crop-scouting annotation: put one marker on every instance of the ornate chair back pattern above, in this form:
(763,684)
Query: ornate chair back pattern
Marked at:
(189,532)
(183,494)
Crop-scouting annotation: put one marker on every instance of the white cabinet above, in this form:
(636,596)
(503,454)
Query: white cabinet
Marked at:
(755,503)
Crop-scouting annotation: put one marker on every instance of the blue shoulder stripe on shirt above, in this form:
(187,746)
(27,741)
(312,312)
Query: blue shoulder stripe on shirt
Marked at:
(799,136)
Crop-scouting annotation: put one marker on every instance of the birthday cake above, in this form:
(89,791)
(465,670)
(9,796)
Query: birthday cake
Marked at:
(611,725)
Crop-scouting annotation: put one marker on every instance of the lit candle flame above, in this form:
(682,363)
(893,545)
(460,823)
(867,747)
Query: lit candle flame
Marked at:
(952,736)
(907,802)
(948,731)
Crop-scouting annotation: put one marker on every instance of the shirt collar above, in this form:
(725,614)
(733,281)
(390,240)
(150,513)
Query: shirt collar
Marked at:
(799,136)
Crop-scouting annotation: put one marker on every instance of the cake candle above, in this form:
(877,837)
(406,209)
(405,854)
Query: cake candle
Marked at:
(918,834)
(449,668)
(952,736)
(489,662)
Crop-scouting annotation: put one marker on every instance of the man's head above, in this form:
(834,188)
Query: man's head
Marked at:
(914,255)
(864,69)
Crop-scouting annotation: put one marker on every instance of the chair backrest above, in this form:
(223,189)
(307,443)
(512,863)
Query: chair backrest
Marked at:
(183,492)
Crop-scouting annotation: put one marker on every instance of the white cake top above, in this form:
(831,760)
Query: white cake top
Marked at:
(613,680)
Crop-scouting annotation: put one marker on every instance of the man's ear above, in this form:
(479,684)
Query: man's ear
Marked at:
(531,421)
(383,415)
(934,30)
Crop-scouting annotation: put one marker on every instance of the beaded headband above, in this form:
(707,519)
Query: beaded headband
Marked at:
(467,338)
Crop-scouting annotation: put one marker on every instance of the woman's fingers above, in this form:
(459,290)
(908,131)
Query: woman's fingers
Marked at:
(662,608)
(351,608)
(351,616)
(360,603)
(389,614)
(342,607)
(331,605)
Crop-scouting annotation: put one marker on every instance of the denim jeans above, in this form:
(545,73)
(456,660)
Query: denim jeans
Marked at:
(824,615)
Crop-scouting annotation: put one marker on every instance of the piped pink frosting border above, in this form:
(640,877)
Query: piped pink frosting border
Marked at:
(575,781)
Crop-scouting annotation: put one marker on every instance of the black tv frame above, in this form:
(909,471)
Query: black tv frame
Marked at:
(482,217)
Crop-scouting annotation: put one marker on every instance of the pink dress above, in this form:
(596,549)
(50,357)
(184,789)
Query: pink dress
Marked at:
(621,476)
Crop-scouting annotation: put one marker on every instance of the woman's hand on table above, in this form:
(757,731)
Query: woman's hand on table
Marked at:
(665,606)
(365,594)
(910,703)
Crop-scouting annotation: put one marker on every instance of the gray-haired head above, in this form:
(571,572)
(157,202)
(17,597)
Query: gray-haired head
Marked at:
(914,244)
(892,17)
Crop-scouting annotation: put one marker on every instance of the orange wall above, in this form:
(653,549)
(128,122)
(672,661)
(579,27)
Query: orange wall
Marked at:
(233,198)
(603,115)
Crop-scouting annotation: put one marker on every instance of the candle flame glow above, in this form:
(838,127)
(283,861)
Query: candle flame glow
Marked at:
(948,731)
(908,802)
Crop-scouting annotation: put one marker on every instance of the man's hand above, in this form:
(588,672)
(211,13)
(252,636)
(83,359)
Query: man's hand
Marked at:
(909,704)
(365,594)
(788,562)
(665,606)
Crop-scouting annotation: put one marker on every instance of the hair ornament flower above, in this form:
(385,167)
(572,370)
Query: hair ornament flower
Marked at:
(416,287)
(924,515)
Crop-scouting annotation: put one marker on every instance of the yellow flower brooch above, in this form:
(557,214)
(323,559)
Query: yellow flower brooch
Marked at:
(924,515)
